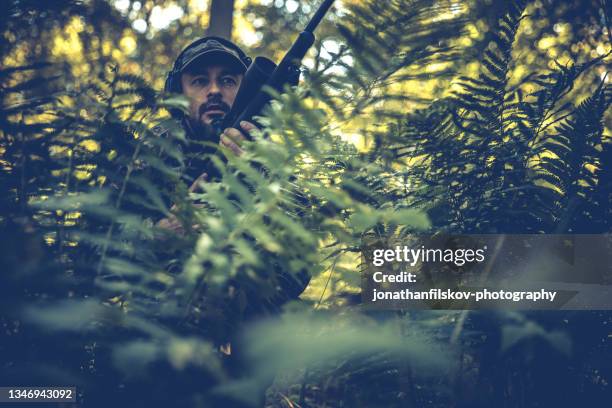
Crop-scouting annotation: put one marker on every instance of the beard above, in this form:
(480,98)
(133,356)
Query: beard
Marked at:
(202,131)
(209,130)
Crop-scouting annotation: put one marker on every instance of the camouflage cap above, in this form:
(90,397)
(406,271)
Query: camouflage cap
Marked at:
(211,50)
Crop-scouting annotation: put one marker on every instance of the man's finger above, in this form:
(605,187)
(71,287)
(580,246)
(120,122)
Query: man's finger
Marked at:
(247,126)
(235,135)
(196,185)
(227,142)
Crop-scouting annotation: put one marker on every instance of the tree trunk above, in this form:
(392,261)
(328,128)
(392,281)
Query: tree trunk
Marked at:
(221,18)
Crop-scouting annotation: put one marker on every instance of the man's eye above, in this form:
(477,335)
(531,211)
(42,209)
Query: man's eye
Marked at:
(199,81)
(228,81)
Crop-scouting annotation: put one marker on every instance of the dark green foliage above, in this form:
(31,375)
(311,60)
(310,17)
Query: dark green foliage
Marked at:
(483,154)
(141,298)
(382,45)
(94,294)
(578,143)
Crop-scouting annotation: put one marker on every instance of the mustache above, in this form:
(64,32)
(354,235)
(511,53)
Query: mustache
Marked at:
(214,103)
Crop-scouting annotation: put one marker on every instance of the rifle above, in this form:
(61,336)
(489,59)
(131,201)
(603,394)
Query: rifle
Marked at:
(252,96)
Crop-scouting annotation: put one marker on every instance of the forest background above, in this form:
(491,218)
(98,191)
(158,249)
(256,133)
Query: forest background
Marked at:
(472,116)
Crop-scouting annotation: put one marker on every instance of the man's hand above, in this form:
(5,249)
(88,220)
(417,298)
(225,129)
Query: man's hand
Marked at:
(172,223)
(232,138)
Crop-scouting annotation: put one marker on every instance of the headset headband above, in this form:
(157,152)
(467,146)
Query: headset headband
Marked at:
(173,83)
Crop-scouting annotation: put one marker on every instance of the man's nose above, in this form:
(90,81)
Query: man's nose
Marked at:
(214,88)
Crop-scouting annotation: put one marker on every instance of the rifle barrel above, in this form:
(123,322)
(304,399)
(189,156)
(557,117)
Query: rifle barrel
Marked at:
(251,98)
(316,19)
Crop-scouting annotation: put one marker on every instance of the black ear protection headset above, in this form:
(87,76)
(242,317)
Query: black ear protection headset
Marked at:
(173,80)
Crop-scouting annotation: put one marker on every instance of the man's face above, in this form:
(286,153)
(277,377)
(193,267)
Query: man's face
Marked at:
(211,90)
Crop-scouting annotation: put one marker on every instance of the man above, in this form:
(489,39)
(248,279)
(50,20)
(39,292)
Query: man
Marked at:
(209,72)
